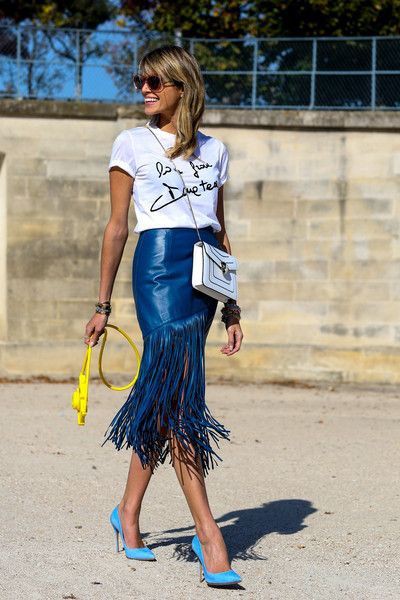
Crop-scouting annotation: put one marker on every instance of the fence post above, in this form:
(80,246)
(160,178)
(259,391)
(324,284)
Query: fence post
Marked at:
(135,67)
(135,53)
(77,59)
(178,37)
(373,74)
(254,75)
(313,73)
(19,96)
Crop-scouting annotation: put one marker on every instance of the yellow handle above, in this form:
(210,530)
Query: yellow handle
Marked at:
(126,336)
(81,394)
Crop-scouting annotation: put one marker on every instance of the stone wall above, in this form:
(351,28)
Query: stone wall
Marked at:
(312,211)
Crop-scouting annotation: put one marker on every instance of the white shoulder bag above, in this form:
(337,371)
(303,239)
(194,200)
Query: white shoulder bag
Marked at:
(214,271)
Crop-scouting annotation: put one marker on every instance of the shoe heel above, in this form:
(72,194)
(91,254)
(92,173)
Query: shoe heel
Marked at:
(116,540)
(223,578)
(142,553)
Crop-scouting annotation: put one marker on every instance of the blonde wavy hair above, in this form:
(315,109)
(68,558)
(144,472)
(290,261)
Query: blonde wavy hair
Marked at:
(174,63)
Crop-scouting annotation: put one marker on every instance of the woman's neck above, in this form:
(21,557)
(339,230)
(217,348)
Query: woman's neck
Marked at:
(166,124)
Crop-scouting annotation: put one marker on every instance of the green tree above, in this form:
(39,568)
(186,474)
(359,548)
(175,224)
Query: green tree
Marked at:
(214,19)
(86,14)
(189,18)
(323,18)
(74,47)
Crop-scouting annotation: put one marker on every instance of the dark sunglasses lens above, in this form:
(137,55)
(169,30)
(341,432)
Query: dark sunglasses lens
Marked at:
(154,82)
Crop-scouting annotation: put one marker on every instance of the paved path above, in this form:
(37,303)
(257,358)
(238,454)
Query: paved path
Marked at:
(307,496)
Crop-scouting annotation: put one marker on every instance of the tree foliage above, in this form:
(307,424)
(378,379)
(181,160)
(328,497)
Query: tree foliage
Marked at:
(85,14)
(216,18)
(269,18)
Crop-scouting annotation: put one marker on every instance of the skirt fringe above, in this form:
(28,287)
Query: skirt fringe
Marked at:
(170,392)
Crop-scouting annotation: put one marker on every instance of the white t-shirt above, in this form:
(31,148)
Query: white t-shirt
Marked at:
(159,196)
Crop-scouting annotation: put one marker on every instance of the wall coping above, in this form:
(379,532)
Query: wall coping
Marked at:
(259,119)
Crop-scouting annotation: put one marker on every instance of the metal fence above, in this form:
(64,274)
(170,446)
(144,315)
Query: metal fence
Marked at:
(269,73)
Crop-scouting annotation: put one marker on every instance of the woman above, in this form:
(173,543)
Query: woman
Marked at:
(165,412)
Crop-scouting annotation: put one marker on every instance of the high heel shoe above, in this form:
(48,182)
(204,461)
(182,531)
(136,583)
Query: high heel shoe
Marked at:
(222,578)
(138,553)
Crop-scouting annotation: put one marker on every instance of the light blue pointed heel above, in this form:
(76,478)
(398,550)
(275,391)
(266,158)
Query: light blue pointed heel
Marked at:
(219,579)
(137,553)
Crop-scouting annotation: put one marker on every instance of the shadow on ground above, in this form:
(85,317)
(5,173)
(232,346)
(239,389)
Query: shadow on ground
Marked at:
(244,529)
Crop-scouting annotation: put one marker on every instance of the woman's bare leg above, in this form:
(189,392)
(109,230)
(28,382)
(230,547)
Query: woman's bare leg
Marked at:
(191,478)
(135,489)
(129,507)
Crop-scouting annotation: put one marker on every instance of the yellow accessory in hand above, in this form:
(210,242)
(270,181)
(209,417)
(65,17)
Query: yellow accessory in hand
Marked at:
(81,394)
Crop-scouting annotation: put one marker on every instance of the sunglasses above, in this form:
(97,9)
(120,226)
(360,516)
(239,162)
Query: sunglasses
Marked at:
(154,82)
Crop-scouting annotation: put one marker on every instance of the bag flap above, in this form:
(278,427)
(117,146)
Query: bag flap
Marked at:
(219,256)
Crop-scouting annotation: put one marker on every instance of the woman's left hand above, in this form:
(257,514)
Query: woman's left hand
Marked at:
(235,336)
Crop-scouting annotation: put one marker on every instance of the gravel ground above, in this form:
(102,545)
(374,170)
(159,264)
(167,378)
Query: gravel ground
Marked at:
(307,497)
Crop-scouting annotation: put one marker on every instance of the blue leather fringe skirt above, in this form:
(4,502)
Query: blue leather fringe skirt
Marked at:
(174,318)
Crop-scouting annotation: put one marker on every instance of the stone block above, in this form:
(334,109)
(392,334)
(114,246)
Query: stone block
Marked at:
(321,208)
(322,229)
(267,290)
(337,290)
(52,289)
(366,249)
(306,250)
(278,229)
(340,334)
(370,334)
(52,189)
(298,269)
(22,230)
(373,362)
(72,308)
(27,307)
(286,312)
(90,229)
(260,332)
(319,189)
(269,209)
(76,169)
(123,308)
(396,163)
(377,188)
(365,270)
(365,312)
(21,264)
(97,188)
(370,207)
(237,228)
(261,270)
(16,187)
(28,167)
(384,228)
(394,287)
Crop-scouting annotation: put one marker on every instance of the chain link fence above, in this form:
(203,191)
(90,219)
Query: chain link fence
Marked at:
(269,73)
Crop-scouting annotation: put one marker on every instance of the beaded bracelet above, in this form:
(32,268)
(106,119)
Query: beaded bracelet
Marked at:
(230,309)
(103,308)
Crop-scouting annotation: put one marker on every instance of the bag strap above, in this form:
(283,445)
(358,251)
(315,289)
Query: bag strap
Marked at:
(81,393)
(186,192)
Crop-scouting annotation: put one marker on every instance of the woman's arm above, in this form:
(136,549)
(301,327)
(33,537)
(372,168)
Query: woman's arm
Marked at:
(222,236)
(114,240)
(235,333)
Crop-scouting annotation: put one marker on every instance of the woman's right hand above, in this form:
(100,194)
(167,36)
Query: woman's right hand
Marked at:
(95,328)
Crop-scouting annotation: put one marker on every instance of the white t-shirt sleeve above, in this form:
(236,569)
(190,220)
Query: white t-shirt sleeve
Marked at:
(123,154)
(223,164)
